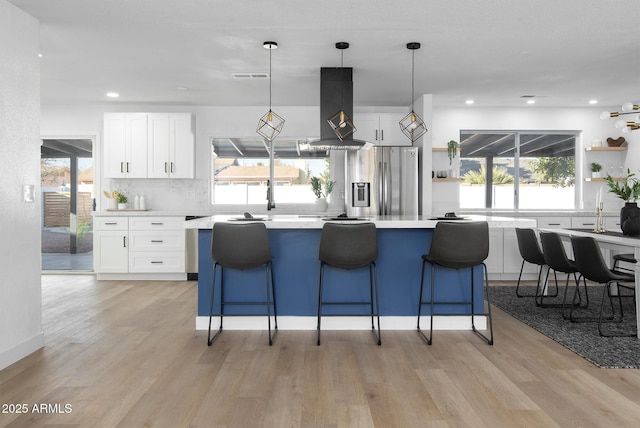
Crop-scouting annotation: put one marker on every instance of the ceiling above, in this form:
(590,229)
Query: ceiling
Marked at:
(170,52)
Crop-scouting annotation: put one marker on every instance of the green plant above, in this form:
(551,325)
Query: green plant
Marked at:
(322,187)
(452,150)
(595,167)
(122,198)
(627,190)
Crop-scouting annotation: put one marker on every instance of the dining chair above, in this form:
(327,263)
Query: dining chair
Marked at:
(531,253)
(593,267)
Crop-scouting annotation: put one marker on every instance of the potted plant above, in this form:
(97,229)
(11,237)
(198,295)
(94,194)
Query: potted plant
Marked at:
(122,200)
(452,150)
(322,188)
(629,191)
(595,170)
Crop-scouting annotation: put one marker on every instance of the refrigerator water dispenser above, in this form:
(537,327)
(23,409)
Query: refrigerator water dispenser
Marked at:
(360,193)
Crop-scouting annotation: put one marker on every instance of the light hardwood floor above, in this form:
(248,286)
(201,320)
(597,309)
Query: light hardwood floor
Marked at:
(126,354)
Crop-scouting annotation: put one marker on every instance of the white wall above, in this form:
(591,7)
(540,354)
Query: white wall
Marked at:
(447,123)
(20,286)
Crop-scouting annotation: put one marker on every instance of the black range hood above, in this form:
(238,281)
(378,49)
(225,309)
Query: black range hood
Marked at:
(336,93)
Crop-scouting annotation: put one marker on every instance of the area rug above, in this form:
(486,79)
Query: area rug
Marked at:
(581,338)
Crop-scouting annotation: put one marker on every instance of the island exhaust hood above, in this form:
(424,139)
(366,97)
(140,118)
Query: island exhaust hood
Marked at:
(336,93)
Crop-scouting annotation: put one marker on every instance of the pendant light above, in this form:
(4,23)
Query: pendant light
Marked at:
(341,122)
(270,125)
(412,125)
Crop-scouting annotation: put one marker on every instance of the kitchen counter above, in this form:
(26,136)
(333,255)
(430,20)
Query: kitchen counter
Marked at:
(387,222)
(294,242)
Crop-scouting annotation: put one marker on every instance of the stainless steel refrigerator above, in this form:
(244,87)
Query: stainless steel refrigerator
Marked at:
(381,181)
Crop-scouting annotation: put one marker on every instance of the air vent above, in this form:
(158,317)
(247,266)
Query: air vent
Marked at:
(527,96)
(250,75)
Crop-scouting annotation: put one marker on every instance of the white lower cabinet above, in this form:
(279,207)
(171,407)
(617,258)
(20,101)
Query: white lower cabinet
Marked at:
(110,244)
(494,261)
(141,245)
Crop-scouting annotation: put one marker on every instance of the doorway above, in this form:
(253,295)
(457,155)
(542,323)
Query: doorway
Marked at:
(67,199)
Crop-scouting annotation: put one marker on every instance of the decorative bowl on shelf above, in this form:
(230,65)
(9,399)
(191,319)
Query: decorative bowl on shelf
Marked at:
(615,142)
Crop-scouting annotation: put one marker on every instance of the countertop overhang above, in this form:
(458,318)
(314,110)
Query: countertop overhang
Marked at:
(387,222)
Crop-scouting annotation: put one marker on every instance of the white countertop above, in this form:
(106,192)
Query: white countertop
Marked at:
(389,222)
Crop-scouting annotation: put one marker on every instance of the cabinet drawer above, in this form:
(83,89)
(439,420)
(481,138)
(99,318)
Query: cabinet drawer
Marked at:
(147,240)
(110,223)
(612,223)
(148,262)
(583,222)
(554,222)
(156,223)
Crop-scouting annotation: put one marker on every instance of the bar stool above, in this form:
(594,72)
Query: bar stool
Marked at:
(556,259)
(457,246)
(530,253)
(350,246)
(242,246)
(593,267)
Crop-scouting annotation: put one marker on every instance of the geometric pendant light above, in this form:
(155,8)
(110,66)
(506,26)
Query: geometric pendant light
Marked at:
(341,122)
(412,125)
(270,125)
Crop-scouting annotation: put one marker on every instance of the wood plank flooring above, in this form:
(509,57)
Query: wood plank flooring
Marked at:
(126,354)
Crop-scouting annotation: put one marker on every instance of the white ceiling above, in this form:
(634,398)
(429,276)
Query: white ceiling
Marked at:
(493,51)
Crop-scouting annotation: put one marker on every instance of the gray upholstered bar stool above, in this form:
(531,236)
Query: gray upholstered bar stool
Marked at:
(457,246)
(242,246)
(350,246)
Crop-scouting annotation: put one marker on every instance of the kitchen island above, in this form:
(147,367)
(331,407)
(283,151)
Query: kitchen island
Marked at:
(294,242)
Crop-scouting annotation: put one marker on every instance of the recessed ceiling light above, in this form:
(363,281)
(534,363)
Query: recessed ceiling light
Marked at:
(181,88)
(113,94)
(40,55)
(593,101)
(468,102)
(531,101)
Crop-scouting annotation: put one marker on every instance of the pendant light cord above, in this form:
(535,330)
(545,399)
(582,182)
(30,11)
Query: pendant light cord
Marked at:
(270,49)
(413,58)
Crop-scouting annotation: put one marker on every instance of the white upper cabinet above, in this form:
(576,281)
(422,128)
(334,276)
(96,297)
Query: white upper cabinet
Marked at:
(125,145)
(380,129)
(149,145)
(171,145)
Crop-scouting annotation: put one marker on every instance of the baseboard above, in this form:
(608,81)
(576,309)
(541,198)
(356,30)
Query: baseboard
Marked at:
(21,350)
(462,322)
(141,276)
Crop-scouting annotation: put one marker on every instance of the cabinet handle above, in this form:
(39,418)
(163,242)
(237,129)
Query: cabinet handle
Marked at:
(376,135)
(110,223)
(588,224)
(382,135)
(157,240)
(127,167)
(156,262)
(157,224)
(165,167)
(124,241)
(554,224)
(121,166)
(171,167)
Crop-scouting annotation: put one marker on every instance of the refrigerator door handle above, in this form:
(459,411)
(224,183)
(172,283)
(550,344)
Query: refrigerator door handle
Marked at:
(380,188)
(386,189)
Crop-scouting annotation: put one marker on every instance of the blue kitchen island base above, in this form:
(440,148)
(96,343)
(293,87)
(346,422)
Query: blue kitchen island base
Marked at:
(296,271)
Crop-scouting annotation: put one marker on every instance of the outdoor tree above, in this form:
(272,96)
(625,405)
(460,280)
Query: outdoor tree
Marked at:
(558,171)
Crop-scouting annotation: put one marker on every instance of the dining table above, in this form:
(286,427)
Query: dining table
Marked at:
(613,241)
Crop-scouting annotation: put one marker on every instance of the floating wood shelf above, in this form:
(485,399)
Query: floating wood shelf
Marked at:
(607,149)
(604,179)
(442,149)
(445,179)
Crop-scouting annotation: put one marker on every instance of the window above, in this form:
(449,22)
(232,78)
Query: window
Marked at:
(241,170)
(517,169)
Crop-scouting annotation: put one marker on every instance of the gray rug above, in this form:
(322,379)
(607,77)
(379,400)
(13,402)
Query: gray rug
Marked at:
(581,338)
